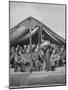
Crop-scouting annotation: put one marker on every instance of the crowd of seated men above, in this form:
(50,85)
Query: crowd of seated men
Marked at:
(37,59)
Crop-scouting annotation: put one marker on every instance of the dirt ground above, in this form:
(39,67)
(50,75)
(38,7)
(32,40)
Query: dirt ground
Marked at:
(26,79)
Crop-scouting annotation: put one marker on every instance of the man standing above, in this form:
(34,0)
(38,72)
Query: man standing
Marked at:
(18,61)
(47,59)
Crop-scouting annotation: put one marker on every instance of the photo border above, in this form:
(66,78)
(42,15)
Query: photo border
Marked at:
(38,86)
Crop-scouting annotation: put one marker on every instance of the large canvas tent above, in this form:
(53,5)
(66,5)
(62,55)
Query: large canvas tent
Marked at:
(20,33)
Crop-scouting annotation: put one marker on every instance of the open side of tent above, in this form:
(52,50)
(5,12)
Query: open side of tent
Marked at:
(20,33)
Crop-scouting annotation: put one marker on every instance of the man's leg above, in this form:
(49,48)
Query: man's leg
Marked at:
(16,67)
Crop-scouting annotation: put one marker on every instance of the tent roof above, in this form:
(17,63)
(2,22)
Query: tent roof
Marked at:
(20,33)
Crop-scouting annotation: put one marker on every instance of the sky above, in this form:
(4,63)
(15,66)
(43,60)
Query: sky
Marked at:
(51,15)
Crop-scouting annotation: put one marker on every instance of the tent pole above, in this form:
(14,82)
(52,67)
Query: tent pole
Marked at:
(31,51)
(40,37)
(30,40)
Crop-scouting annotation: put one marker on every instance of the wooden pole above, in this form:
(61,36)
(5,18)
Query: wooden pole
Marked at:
(30,39)
(39,37)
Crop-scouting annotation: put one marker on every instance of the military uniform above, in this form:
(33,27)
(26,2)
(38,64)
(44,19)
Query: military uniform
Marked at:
(18,62)
(55,58)
(62,58)
(47,59)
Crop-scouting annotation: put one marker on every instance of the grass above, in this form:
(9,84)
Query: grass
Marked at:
(38,78)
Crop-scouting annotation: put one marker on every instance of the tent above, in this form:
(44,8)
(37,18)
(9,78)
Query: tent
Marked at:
(20,33)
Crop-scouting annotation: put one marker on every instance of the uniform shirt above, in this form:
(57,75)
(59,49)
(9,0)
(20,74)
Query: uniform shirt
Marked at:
(41,53)
(55,57)
(17,57)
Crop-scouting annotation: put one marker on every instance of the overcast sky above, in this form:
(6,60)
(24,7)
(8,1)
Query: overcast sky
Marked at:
(51,15)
